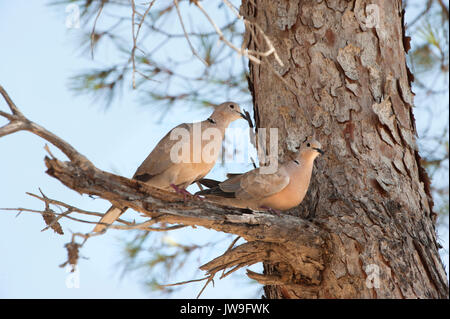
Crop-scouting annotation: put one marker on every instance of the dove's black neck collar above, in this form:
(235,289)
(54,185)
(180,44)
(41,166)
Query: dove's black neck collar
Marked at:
(210,120)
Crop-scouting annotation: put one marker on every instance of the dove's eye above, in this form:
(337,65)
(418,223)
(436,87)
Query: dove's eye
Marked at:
(308,144)
(232,106)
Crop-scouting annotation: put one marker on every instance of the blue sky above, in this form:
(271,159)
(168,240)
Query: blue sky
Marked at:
(37,56)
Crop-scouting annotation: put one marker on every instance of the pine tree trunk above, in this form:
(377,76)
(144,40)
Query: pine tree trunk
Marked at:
(345,80)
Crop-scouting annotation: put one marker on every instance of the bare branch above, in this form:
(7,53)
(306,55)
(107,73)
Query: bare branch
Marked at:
(133,50)
(444,8)
(135,35)
(10,103)
(153,201)
(93,35)
(21,123)
(210,278)
(194,52)
(184,282)
(12,127)
(270,237)
(223,38)
(267,279)
(266,38)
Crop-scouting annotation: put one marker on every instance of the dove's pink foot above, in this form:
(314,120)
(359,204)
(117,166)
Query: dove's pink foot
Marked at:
(181,191)
(185,193)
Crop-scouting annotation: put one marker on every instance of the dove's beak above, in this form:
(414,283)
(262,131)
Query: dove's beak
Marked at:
(318,150)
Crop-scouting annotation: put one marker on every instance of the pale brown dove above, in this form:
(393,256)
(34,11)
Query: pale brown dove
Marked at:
(167,169)
(281,190)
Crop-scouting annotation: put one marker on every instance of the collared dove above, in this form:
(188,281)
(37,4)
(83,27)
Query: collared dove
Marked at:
(281,190)
(165,168)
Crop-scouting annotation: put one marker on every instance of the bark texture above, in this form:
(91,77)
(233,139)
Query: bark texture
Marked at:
(346,81)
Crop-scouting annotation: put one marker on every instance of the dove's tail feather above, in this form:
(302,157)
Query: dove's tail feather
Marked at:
(231,175)
(110,217)
(210,183)
(216,191)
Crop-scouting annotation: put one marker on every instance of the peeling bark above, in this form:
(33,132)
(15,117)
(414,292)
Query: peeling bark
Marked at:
(369,193)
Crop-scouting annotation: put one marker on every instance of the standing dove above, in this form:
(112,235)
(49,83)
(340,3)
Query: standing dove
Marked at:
(165,168)
(281,190)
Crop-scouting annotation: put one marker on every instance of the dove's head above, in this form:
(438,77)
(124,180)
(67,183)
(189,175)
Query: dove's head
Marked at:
(228,112)
(310,148)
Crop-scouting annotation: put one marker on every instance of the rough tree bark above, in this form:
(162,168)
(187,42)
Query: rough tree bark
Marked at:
(366,227)
(345,79)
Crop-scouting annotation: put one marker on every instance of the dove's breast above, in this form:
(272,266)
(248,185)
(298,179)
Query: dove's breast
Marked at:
(294,193)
